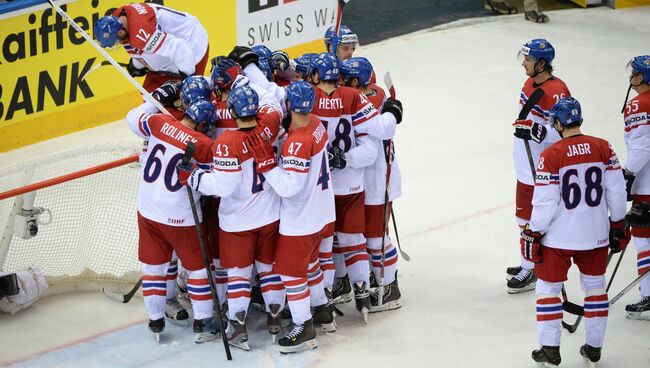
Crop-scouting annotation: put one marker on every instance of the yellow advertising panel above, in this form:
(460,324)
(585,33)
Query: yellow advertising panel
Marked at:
(630,3)
(43,59)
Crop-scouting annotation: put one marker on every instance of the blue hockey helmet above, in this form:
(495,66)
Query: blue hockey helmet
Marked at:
(261,51)
(301,97)
(195,87)
(266,69)
(327,66)
(224,72)
(567,110)
(641,65)
(346,36)
(242,102)
(106,31)
(202,111)
(303,64)
(540,49)
(357,67)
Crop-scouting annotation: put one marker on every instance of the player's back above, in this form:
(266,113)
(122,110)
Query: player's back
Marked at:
(584,171)
(225,122)
(161,197)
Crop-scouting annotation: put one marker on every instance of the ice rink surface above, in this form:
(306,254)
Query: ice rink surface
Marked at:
(460,85)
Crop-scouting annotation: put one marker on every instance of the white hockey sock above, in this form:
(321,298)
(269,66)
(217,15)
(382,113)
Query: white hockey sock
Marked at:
(596,308)
(154,288)
(390,258)
(353,248)
(172,273)
(220,280)
(298,298)
(316,286)
(549,312)
(198,286)
(326,261)
(643,263)
(271,286)
(239,290)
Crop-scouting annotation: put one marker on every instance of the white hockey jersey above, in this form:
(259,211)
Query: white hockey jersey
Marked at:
(579,187)
(161,197)
(637,139)
(163,39)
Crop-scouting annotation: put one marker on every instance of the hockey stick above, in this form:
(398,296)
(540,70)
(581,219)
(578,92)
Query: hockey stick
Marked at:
(108,58)
(122,298)
(337,25)
(99,65)
(189,151)
(629,287)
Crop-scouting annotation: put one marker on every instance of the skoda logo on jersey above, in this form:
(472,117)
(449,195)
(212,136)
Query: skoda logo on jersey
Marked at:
(634,119)
(224,163)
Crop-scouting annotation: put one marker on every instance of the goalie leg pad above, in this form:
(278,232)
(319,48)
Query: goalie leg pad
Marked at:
(31,284)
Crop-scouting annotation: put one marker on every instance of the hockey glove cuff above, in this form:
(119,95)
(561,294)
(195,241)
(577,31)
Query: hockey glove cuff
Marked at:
(135,71)
(531,245)
(528,130)
(336,158)
(629,180)
(619,235)
(394,107)
(244,56)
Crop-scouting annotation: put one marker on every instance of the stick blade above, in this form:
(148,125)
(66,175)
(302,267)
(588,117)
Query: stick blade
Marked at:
(388,81)
(113,296)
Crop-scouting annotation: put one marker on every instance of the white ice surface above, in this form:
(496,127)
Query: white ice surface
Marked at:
(459,84)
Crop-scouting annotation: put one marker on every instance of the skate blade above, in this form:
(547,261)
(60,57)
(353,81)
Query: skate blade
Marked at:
(546,365)
(521,290)
(156,336)
(364,313)
(588,363)
(274,338)
(242,345)
(307,345)
(326,327)
(342,299)
(395,304)
(200,338)
(637,316)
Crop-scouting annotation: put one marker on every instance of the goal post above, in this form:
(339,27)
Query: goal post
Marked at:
(73,215)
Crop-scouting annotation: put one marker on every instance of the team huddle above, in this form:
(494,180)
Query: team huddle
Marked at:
(292,175)
(571,197)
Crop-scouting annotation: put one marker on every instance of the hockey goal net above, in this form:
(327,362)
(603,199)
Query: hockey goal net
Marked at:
(87,231)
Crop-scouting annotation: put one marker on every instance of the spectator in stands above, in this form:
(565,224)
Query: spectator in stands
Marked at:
(531,11)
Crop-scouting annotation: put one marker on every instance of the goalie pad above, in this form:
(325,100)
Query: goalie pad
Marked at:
(31,284)
(639,215)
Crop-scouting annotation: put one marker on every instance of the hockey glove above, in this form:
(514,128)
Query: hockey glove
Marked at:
(394,107)
(189,174)
(530,245)
(135,71)
(167,93)
(244,56)
(639,215)
(336,158)
(262,152)
(527,130)
(629,180)
(619,235)
(279,61)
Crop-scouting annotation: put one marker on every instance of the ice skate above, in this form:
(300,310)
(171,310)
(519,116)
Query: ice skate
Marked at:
(274,321)
(176,313)
(236,332)
(341,290)
(205,330)
(590,354)
(323,318)
(301,337)
(536,16)
(524,281)
(635,310)
(390,299)
(500,7)
(362,299)
(547,356)
(257,301)
(512,272)
(157,327)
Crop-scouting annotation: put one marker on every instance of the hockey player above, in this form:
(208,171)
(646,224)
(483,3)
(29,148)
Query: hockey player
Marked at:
(637,173)
(356,73)
(578,209)
(162,42)
(249,212)
(348,42)
(165,219)
(537,58)
(303,181)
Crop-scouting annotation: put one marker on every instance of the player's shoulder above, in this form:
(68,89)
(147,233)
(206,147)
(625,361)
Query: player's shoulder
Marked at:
(378,97)
(637,107)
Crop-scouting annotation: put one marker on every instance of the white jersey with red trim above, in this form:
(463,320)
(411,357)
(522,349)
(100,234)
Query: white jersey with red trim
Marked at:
(163,39)
(637,139)
(579,187)
(161,197)
(247,200)
(375,174)
(554,89)
(340,113)
(303,181)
